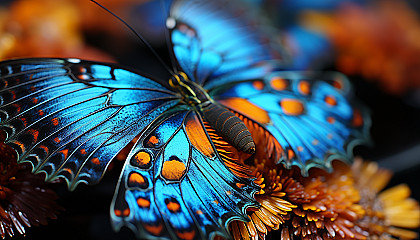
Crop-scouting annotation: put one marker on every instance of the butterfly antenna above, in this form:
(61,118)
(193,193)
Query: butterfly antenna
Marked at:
(138,36)
(171,55)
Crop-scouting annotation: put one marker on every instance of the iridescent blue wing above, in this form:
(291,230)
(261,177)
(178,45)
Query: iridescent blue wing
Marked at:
(313,121)
(215,42)
(174,184)
(69,117)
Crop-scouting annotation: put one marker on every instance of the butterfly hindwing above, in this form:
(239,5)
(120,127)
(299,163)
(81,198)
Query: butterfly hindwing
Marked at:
(69,118)
(313,118)
(175,185)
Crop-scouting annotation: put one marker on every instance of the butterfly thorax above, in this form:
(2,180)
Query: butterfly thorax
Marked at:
(192,93)
(226,124)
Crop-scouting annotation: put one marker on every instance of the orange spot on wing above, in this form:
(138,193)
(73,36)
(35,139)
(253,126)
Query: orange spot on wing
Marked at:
(240,185)
(357,118)
(54,121)
(13,94)
(331,120)
(35,100)
(68,170)
(198,137)
(34,133)
(95,161)
(315,142)
(155,230)
(186,235)
(330,100)
(143,203)
(228,192)
(83,151)
(17,106)
(82,69)
(117,212)
(216,202)
(304,87)
(173,170)
(83,76)
(337,84)
(248,109)
(41,113)
(153,140)
(199,212)
(20,145)
(65,152)
(279,83)
(123,213)
(291,154)
(45,148)
(259,85)
(173,206)
(57,140)
(136,178)
(142,159)
(126,212)
(25,123)
(300,149)
(292,107)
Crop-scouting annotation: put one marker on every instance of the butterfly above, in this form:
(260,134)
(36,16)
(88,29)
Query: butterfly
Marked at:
(184,177)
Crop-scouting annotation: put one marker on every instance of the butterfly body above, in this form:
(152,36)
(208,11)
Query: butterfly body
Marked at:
(226,124)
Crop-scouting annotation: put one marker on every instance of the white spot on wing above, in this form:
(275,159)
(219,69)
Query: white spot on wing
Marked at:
(170,23)
(74,60)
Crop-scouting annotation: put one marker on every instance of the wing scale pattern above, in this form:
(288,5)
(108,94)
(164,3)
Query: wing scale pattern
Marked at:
(70,119)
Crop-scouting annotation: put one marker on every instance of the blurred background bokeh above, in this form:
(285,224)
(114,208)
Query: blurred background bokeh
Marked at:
(376,43)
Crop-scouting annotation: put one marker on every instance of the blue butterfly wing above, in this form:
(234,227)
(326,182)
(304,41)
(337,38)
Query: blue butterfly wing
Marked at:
(313,119)
(174,184)
(69,117)
(214,42)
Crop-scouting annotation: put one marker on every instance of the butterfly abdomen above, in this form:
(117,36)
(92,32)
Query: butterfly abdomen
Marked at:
(229,126)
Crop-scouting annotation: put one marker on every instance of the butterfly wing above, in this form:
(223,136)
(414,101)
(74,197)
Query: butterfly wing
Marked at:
(175,186)
(313,118)
(217,41)
(69,117)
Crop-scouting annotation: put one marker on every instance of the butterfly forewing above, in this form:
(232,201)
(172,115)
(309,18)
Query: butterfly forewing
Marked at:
(71,118)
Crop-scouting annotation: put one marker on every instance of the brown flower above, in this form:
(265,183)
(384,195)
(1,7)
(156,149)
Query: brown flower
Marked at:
(25,199)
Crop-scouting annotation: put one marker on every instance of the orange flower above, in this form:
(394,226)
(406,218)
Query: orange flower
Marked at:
(387,212)
(344,204)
